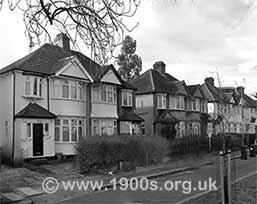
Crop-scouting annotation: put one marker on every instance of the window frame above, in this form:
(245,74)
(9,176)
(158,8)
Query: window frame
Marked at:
(69,85)
(103,92)
(161,101)
(107,126)
(33,86)
(128,95)
(78,125)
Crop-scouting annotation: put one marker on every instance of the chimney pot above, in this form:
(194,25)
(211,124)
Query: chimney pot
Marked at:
(63,41)
(160,67)
(209,80)
(240,90)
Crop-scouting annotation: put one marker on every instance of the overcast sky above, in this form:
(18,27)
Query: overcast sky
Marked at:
(193,37)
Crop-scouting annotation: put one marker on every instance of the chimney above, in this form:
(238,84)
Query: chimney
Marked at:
(63,41)
(240,90)
(160,67)
(209,80)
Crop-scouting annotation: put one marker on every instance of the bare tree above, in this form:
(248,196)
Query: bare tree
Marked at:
(99,23)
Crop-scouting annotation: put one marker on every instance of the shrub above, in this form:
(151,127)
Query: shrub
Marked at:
(106,151)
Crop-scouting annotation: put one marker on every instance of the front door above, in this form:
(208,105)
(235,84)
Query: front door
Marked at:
(38,139)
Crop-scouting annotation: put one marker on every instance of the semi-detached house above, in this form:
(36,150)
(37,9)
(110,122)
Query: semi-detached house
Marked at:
(168,106)
(54,96)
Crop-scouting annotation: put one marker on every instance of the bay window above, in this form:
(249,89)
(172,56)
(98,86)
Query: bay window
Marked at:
(161,101)
(128,127)
(195,104)
(104,93)
(68,89)
(103,127)
(33,86)
(68,130)
(126,98)
(177,102)
(180,129)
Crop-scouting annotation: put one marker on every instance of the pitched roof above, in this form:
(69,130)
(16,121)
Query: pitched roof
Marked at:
(196,91)
(225,94)
(129,115)
(33,110)
(152,81)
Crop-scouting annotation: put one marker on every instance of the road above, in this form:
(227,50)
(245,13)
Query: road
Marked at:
(240,168)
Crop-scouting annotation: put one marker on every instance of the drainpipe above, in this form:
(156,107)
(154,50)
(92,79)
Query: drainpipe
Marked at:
(13,135)
(48,102)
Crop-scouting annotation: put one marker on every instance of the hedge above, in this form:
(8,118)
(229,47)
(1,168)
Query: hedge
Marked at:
(103,152)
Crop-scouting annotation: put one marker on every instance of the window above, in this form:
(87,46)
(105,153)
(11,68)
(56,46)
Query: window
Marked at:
(143,129)
(65,89)
(57,126)
(161,101)
(33,86)
(68,89)
(103,127)
(179,103)
(204,107)
(180,128)
(46,130)
(104,93)
(73,90)
(65,131)
(29,130)
(68,130)
(195,104)
(126,97)
(6,128)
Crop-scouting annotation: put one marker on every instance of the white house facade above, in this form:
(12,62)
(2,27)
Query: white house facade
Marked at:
(53,97)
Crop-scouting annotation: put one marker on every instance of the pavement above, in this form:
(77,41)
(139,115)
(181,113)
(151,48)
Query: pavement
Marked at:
(186,165)
(241,169)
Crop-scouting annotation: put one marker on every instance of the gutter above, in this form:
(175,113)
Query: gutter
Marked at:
(13,136)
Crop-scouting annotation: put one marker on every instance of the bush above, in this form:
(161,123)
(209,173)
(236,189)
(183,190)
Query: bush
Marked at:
(104,152)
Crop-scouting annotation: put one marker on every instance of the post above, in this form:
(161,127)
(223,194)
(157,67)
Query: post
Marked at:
(229,176)
(221,161)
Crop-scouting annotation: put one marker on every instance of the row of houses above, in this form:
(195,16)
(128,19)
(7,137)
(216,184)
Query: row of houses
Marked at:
(54,96)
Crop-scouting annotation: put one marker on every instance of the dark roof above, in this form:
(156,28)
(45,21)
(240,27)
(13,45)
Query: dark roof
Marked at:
(153,81)
(130,115)
(39,61)
(225,94)
(48,59)
(193,117)
(33,110)
(193,90)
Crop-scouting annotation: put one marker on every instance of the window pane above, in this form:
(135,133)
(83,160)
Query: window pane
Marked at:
(35,86)
(103,127)
(27,86)
(57,122)
(80,132)
(57,134)
(103,94)
(40,87)
(65,133)
(124,98)
(65,90)
(74,92)
(80,90)
(96,127)
(65,122)
(28,129)
(74,134)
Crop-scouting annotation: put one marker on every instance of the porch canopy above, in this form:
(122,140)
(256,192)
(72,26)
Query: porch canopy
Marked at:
(130,115)
(33,110)
(169,117)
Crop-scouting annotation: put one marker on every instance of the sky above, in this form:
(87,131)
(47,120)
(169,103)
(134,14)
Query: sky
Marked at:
(195,39)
